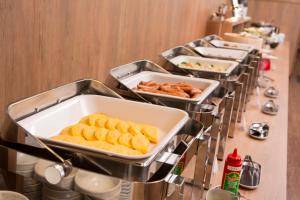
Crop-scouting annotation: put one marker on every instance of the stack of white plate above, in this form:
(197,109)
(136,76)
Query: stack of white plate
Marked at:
(51,192)
(126,190)
(25,165)
(96,186)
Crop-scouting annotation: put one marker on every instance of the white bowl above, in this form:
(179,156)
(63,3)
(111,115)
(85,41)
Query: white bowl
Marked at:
(96,185)
(10,195)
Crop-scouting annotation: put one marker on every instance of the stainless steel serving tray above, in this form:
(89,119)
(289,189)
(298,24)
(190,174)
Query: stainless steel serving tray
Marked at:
(134,170)
(126,76)
(220,43)
(171,54)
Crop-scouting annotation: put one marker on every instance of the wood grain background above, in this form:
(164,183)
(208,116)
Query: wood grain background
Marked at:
(46,43)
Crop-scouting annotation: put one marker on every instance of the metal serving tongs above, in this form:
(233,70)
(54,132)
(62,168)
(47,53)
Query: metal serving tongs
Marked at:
(33,105)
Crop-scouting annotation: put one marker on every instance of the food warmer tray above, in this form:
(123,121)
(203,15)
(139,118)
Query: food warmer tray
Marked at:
(180,52)
(159,164)
(220,43)
(209,51)
(129,75)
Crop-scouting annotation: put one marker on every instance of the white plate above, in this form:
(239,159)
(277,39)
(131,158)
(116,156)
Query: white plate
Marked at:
(50,122)
(10,195)
(221,53)
(207,86)
(230,65)
(97,185)
(232,45)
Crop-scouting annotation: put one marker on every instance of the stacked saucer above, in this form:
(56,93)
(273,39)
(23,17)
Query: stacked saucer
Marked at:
(25,165)
(51,192)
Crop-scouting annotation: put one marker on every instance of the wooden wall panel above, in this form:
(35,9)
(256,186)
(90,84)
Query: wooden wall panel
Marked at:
(284,14)
(46,43)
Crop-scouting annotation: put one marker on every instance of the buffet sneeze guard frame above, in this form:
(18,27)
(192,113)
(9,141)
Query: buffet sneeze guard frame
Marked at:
(148,173)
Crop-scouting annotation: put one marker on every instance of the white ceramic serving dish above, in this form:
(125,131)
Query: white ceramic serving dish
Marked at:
(230,65)
(232,45)
(207,86)
(50,122)
(222,53)
(96,185)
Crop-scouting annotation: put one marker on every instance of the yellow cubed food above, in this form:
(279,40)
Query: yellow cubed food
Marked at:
(88,133)
(101,133)
(113,136)
(66,131)
(125,139)
(125,150)
(122,126)
(141,143)
(134,128)
(77,129)
(75,139)
(84,120)
(151,133)
(101,121)
(111,123)
(95,117)
(104,145)
(59,137)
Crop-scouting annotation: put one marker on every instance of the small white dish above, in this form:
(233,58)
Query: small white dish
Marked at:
(10,195)
(96,185)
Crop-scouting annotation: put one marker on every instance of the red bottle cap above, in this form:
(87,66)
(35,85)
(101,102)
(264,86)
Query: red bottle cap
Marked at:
(234,158)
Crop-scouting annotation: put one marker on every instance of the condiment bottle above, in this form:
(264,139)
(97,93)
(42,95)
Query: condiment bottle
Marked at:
(231,173)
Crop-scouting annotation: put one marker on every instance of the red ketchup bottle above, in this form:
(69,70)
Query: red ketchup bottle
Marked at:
(231,173)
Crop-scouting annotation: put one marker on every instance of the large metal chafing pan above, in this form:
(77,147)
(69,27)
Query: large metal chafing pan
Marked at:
(141,170)
(171,55)
(132,70)
(220,43)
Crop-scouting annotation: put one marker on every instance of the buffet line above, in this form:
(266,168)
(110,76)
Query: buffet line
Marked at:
(146,128)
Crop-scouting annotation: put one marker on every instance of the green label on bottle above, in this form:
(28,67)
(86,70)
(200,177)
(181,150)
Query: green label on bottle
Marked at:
(231,182)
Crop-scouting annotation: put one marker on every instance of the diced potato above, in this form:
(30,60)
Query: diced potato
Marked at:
(151,133)
(140,143)
(66,131)
(111,123)
(77,129)
(101,121)
(84,120)
(134,129)
(101,133)
(59,137)
(89,133)
(75,139)
(113,136)
(122,126)
(125,139)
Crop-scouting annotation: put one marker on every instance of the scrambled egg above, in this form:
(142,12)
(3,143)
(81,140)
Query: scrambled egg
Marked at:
(112,134)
